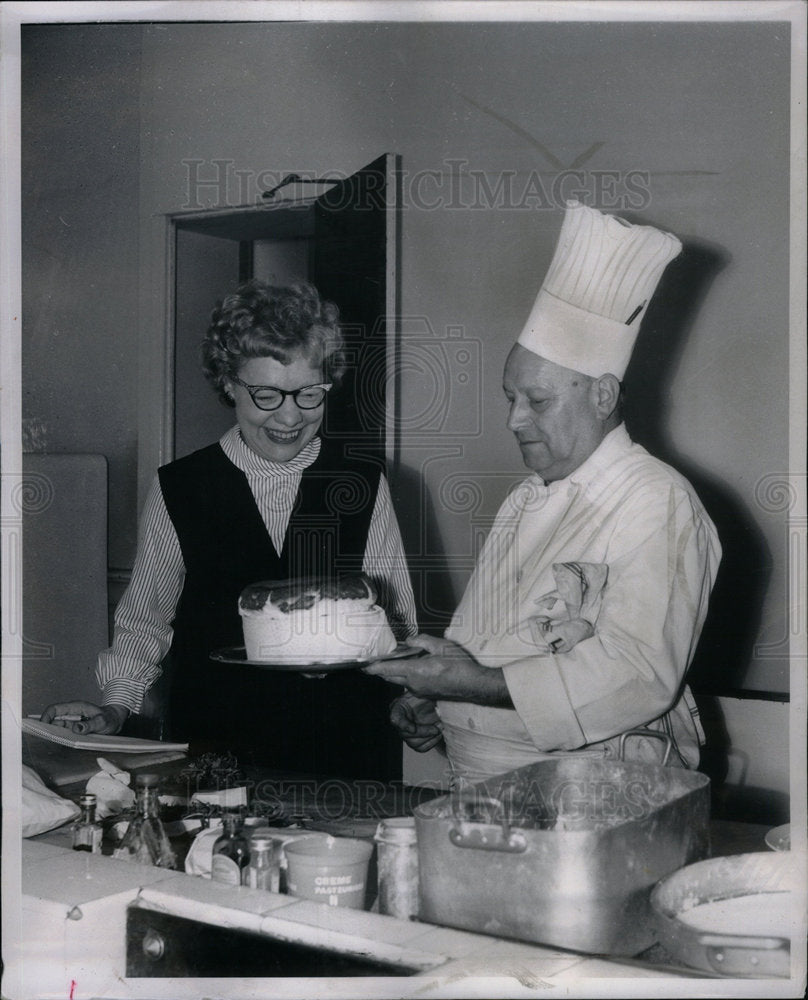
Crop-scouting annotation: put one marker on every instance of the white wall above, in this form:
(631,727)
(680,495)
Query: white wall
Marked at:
(759,756)
(701,109)
(665,99)
(80,168)
(764,781)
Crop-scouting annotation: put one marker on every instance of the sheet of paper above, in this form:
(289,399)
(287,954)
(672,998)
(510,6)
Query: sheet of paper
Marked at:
(95,741)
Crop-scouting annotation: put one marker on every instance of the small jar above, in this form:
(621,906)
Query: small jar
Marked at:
(397,843)
(87,832)
(264,869)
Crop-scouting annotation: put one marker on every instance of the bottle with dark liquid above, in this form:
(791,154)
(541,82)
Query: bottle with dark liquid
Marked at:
(87,830)
(231,852)
(145,840)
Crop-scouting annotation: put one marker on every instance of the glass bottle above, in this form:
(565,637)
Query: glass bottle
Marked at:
(87,830)
(231,852)
(264,869)
(145,840)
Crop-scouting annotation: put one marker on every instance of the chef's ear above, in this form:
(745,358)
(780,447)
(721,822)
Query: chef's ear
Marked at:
(607,390)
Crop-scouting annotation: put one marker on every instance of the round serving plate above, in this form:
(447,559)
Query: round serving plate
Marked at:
(238,655)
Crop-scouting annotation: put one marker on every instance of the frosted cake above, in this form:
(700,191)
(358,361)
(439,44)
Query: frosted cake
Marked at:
(299,622)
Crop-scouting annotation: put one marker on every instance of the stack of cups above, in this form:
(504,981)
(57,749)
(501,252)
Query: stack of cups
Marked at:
(398,867)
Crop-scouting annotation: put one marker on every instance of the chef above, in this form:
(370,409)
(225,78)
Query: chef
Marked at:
(584,609)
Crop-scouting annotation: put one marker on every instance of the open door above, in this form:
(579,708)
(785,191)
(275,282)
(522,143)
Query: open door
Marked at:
(345,243)
(354,265)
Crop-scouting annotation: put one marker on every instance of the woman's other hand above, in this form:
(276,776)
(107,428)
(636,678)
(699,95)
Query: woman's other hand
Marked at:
(83,717)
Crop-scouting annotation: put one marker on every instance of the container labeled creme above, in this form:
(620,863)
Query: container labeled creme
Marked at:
(397,846)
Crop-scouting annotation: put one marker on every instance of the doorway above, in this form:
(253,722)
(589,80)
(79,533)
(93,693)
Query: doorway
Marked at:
(344,241)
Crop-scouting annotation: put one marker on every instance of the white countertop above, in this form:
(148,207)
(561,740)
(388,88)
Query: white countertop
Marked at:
(74,914)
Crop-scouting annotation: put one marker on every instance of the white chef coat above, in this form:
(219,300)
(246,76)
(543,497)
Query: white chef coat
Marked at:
(627,510)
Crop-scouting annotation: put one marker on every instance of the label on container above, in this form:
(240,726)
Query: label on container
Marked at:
(224,869)
(88,839)
(333,889)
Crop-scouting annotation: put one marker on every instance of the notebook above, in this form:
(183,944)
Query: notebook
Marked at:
(95,741)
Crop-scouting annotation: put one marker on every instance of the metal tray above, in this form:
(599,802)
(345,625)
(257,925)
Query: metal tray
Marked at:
(563,852)
(238,655)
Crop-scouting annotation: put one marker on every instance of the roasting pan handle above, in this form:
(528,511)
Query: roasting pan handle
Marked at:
(621,753)
(489,839)
(484,823)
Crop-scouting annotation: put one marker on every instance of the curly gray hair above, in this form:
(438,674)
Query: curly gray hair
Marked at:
(258,320)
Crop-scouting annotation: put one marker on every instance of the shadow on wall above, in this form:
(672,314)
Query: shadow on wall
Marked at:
(733,620)
(731,628)
(435,597)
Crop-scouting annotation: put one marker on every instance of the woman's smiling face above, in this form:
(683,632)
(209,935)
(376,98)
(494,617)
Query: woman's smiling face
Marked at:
(277,435)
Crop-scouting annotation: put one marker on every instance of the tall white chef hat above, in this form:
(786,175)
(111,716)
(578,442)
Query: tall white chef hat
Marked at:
(600,281)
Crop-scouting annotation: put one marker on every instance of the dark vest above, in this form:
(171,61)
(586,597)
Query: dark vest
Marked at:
(335,725)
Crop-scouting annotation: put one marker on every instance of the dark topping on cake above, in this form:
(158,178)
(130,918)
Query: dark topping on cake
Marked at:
(299,595)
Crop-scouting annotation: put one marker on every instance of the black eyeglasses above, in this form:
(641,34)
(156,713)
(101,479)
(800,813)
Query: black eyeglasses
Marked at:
(267,397)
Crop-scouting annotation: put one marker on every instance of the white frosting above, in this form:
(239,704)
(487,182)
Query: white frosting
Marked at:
(330,631)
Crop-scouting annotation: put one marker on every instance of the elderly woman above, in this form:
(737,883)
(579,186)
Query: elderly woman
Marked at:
(273,499)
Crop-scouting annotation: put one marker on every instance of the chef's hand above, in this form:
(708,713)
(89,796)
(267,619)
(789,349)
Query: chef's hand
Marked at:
(417,721)
(93,718)
(447,673)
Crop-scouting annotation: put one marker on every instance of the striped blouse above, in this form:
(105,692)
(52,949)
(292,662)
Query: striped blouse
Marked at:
(144,616)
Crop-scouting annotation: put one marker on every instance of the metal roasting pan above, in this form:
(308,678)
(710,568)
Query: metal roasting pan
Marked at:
(563,852)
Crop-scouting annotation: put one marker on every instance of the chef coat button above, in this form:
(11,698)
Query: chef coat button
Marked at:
(519,576)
